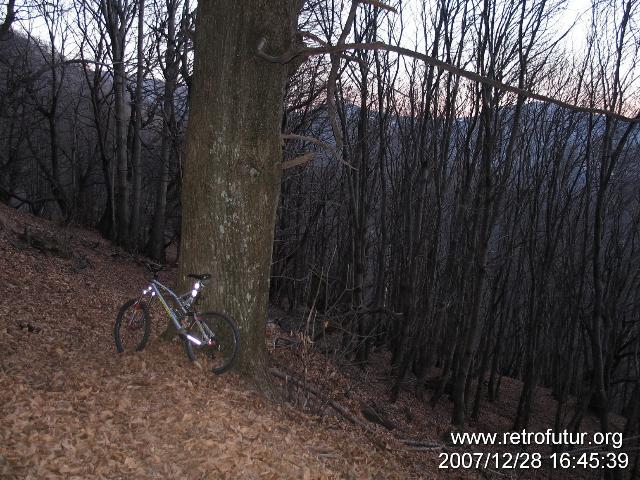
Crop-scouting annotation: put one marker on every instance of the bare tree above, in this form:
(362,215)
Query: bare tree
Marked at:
(9,18)
(117,16)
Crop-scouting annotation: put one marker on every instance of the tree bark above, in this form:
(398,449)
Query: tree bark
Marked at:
(172,61)
(9,17)
(114,14)
(232,171)
(135,227)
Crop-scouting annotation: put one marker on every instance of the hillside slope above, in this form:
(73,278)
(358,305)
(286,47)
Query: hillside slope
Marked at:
(71,408)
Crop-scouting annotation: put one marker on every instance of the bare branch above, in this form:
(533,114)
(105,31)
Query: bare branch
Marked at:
(377,3)
(298,160)
(8,19)
(335,405)
(315,141)
(335,49)
(319,41)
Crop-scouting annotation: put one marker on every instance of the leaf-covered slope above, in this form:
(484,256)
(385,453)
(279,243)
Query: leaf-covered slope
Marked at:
(71,408)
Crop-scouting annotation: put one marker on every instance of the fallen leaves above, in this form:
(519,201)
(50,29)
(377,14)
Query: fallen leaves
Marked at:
(70,407)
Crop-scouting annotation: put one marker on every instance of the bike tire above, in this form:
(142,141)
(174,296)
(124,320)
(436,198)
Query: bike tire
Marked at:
(220,349)
(130,321)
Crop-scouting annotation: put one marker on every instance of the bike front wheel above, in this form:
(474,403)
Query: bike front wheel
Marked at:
(219,340)
(132,328)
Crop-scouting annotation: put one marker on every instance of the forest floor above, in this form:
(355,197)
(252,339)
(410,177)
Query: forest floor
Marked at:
(71,408)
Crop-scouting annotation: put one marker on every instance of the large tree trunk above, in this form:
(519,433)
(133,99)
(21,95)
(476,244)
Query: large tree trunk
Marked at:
(232,171)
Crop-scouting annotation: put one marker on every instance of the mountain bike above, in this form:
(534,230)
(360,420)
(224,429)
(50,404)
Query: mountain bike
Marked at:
(213,336)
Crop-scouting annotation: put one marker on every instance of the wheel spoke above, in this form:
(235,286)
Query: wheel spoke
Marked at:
(220,341)
(132,327)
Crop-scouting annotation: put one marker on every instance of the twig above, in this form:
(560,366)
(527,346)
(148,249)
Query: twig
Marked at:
(379,4)
(315,141)
(373,415)
(298,160)
(320,41)
(336,406)
(418,443)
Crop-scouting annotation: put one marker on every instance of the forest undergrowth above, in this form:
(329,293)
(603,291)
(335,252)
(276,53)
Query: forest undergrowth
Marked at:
(71,408)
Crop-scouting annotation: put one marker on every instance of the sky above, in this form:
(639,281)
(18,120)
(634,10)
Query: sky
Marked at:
(575,17)
(576,14)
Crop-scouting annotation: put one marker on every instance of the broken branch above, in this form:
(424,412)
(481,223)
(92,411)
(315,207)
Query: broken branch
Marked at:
(298,161)
(336,406)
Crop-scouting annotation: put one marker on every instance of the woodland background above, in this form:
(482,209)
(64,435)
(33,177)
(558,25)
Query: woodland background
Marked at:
(471,233)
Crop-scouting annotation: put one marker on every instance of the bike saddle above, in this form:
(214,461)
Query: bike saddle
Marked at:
(200,276)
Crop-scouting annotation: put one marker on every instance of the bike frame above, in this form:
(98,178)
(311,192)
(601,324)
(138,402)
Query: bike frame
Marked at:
(156,288)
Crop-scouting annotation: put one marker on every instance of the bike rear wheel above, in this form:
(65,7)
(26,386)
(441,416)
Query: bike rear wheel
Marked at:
(132,327)
(219,341)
